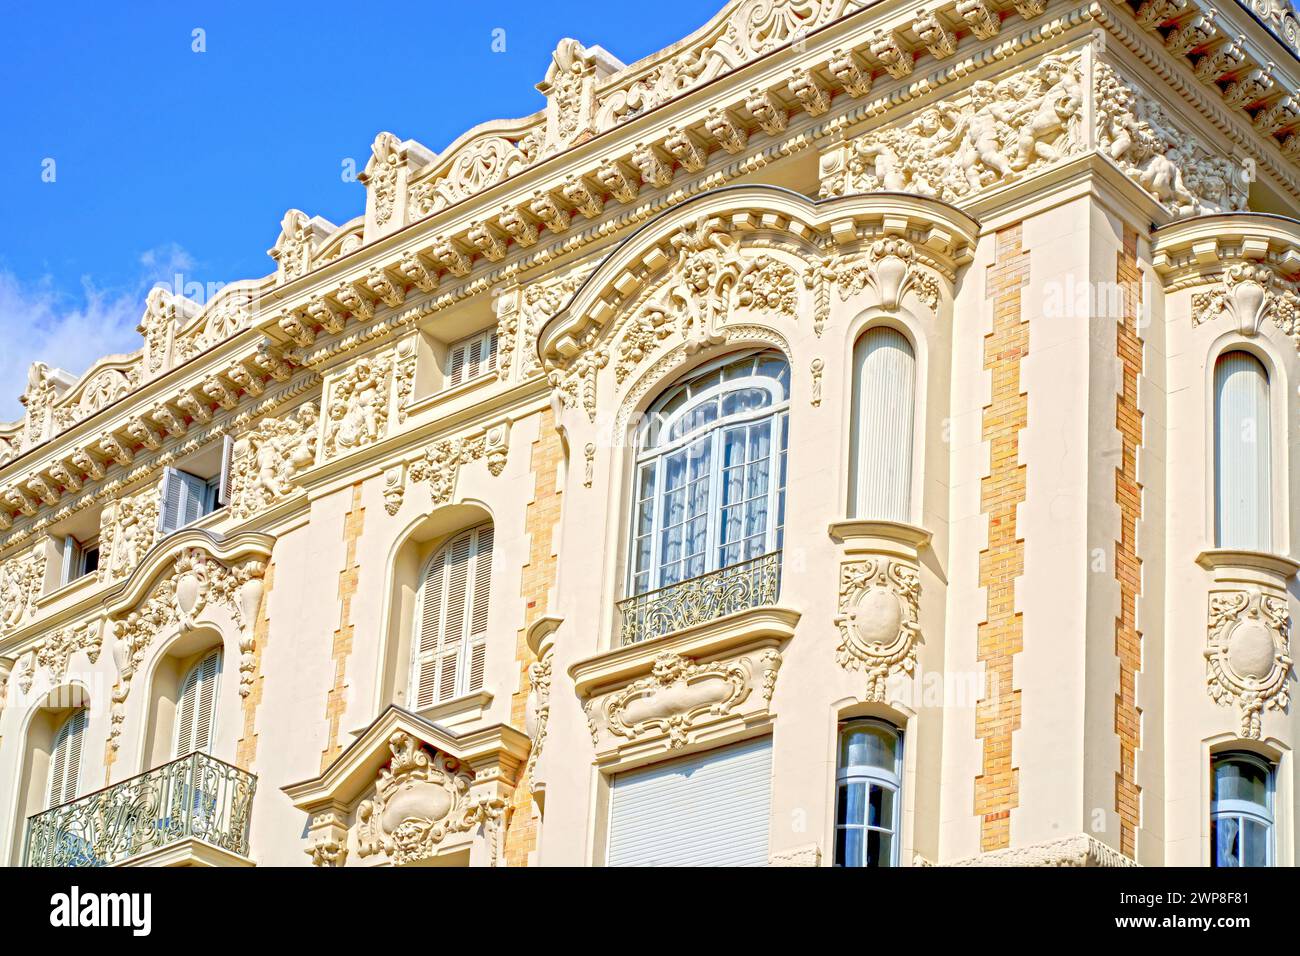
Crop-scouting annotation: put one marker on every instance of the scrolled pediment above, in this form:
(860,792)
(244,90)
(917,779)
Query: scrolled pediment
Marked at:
(407,790)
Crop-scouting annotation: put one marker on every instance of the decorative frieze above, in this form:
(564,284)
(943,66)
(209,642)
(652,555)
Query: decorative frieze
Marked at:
(268,457)
(357,401)
(990,135)
(127,528)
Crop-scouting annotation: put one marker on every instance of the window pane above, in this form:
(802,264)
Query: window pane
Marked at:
(879,848)
(1224,836)
(1255,850)
(854,797)
(880,808)
(1241,780)
(848,847)
(867,745)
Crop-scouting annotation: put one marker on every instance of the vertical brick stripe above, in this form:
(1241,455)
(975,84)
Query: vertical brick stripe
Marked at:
(537,578)
(336,699)
(1128,566)
(1000,636)
(246,749)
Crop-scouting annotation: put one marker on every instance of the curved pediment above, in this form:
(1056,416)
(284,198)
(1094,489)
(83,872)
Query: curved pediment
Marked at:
(753,249)
(162,557)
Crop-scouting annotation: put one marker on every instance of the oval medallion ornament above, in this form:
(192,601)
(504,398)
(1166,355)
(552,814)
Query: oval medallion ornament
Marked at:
(1248,654)
(878,608)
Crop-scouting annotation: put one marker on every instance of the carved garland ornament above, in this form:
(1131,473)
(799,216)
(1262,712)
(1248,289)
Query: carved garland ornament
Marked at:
(537,712)
(1248,654)
(197,580)
(679,693)
(440,464)
(878,609)
(54,651)
(127,530)
(1249,293)
(421,798)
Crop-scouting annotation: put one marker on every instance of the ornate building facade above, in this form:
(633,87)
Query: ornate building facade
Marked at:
(860,433)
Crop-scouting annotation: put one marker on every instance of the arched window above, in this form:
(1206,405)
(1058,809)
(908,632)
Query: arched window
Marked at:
(884,384)
(196,706)
(868,794)
(65,759)
(451,620)
(710,472)
(1242,453)
(1241,812)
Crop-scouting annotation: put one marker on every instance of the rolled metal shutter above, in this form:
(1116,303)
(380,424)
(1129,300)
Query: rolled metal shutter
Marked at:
(710,809)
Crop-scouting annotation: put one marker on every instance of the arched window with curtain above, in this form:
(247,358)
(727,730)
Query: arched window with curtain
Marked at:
(196,705)
(451,623)
(710,472)
(884,385)
(65,759)
(1242,453)
(868,795)
(1241,810)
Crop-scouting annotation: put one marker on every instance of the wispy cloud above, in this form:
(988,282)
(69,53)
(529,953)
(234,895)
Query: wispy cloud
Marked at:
(39,322)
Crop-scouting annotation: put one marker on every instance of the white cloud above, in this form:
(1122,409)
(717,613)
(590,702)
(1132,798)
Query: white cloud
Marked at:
(40,323)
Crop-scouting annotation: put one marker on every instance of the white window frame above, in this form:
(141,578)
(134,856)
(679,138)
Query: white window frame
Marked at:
(870,776)
(477,588)
(1245,809)
(777,411)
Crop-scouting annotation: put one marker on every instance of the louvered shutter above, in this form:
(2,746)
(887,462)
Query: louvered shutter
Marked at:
(184,499)
(65,759)
(459,553)
(450,638)
(196,709)
(424,689)
(227,454)
(709,809)
(456,366)
(479,614)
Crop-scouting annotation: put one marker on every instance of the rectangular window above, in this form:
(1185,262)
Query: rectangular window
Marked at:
(471,358)
(187,497)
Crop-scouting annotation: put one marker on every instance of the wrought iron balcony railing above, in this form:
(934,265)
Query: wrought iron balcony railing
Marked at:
(196,797)
(738,587)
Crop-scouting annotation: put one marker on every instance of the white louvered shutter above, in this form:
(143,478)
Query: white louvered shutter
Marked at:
(1242,453)
(472,357)
(478,621)
(227,456)
(424,681)
(450,642)
(196,709)
(884,386)
(183,500)
(71,558)
(65,759)
(709,809)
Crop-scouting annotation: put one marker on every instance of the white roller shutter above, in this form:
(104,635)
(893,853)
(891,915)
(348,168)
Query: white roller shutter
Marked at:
(1242,453)
(710,809)
(884,389)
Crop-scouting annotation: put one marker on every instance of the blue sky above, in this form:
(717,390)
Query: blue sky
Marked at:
(166,160)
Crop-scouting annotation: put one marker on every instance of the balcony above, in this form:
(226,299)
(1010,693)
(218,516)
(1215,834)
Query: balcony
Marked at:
(738,587)
(195,809)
